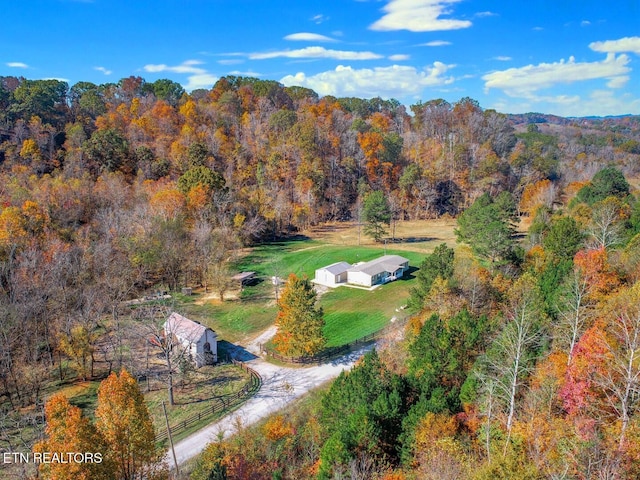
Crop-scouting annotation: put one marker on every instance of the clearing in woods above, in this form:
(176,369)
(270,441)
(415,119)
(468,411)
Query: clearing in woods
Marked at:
(349,313)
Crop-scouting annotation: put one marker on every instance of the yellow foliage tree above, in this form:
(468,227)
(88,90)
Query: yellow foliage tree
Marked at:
(124,422)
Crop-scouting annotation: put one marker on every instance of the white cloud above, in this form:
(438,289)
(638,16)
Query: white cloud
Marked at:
(393,81)
(585,23)
(320,18)
(618,82)
(103,70)
(435,43)
(486,14)
(188,66)
(309,37)
(17,65)
(537,29)
(626,44)
(230,61)
(199,78)
(202,80)
(316,52)
(399,57)
(502,58)
(524,81)
(248,73)
(418,16)
(598,102)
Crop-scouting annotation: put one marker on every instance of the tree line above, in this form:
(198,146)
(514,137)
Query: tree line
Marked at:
(523,361)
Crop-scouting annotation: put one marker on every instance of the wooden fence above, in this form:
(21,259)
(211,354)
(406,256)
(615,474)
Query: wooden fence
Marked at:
(218,404)
(333,352)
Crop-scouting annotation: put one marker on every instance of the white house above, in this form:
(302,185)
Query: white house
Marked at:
(333,274)
(199,342)
(381,270)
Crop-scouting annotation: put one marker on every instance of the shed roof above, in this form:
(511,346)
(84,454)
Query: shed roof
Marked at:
(183,328)
(242,276)
(337,268)
(386,263)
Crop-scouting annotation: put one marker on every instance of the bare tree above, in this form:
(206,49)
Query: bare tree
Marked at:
(151,328)
(574,311)
(620,375)
(605,229)
(363,467)
(513,350)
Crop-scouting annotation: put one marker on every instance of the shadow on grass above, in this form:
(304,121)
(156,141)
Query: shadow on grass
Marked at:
(231,350)
(195,399)
(399,240)
(409,274)
(283,240)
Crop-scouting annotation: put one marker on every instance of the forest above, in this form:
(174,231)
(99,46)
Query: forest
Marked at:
(523,361)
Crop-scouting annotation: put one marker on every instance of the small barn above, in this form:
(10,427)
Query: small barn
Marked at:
(199,342)
(381,270)
(333,274)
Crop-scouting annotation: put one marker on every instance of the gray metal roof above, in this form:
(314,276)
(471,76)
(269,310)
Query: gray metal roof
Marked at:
(386,263)
(337,268)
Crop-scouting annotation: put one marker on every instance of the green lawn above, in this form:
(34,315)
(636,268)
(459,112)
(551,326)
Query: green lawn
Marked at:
(352,313)
(234,320)
(349,313)
(194,396)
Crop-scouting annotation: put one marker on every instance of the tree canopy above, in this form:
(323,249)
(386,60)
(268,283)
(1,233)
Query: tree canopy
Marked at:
(300,321)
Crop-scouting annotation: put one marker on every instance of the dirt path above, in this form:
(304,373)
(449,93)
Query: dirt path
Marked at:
(280,386)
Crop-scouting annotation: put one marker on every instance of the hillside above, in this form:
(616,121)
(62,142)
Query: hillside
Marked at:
(124,191)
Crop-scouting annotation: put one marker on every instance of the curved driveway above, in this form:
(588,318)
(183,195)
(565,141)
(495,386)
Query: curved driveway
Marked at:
(280,385)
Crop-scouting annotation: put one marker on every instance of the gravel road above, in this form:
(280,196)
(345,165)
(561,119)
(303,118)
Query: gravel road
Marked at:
(280,386)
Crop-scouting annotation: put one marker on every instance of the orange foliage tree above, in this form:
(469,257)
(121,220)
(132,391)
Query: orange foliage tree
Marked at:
(68,432)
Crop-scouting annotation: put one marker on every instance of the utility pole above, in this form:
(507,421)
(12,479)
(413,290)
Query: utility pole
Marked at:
(173,451)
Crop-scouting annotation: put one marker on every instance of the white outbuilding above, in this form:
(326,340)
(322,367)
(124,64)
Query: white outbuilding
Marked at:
(332,275)
(198,341)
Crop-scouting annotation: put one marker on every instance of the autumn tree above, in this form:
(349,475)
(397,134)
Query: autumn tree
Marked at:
(68,431)
(122,418)
(78,345)
(299,320)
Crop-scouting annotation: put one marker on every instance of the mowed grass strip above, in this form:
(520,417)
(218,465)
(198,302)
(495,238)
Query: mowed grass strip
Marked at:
(353,313)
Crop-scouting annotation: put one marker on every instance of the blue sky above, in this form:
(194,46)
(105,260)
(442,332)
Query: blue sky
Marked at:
(569,58)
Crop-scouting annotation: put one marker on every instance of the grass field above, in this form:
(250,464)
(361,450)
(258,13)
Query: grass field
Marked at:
(349,313)
(193,397)
(420,236)
(352,313)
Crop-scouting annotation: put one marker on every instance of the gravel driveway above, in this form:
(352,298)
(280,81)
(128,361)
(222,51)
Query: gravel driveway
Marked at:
(280,386)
